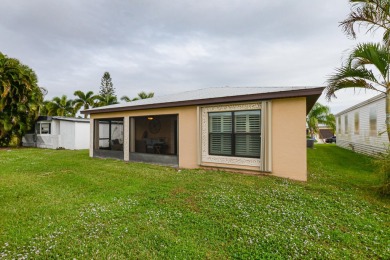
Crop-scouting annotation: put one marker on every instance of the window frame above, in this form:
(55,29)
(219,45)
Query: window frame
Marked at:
(38,128)
(373,117)
(356,121)
(233,134)
(346,126)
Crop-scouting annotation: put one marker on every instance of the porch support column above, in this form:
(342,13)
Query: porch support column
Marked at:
(126,141)
(91,136)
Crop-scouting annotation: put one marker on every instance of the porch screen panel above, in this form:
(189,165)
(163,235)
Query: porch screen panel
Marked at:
(247,133)
(220,129)
(110,134)
(117,131)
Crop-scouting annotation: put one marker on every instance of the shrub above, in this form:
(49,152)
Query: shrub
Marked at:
(383,165)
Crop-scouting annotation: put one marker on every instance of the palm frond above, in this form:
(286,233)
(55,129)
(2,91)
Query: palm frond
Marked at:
(371,14)
(346,84)
(358,70)
(370,54)
(126,98)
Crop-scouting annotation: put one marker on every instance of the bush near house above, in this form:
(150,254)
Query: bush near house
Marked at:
(63,204)
(383,165)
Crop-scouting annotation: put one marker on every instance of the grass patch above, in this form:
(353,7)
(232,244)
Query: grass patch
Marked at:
(63,204)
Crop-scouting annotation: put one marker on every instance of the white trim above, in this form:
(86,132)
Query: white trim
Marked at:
(266,137)
(91,137)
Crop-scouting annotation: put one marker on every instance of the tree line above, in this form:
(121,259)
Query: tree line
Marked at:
(22,100)
(62,106)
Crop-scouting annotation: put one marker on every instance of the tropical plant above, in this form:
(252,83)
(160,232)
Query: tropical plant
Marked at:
(61,106)
(85,100)
(126,99)
(106,100)
(319,114)
(44,110)
(367,67)
(373,14)
(106,86)
(20,99)
(382,163)
(144,95)
(141,95)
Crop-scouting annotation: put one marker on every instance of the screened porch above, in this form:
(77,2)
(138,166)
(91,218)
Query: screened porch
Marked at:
(154,139)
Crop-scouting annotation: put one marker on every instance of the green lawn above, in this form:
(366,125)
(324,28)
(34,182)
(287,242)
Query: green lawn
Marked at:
(64,204)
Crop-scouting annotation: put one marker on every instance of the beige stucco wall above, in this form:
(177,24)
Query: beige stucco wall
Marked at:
(187,122)
(289,138)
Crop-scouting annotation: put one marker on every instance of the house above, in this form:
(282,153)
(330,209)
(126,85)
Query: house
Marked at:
(253,129)
(362,127)
(324,132)
(59,132)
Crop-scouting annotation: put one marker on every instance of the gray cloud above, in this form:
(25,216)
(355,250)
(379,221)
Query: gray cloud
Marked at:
(174,45)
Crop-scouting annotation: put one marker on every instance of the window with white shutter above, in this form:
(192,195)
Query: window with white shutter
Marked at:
(235,133)
(247,133)
(220,133)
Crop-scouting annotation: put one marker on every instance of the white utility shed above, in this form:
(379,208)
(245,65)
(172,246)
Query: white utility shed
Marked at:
(362,127)
(59,132)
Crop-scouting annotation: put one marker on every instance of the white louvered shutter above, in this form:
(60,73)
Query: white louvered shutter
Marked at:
(220,125)
(247,133)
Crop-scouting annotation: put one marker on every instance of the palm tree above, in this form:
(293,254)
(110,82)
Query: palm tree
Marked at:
(126,99)
(358,72)
(43,109)
(319,114)
(85,100)
(20,98)
(141,95)
(61,107)
(144,95)
(373,14)
(106,100)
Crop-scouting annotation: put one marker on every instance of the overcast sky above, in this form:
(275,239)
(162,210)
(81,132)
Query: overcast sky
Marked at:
(172,46)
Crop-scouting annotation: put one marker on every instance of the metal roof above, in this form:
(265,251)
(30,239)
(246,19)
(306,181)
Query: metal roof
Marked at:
(63,118)
(72,119)
(210,96)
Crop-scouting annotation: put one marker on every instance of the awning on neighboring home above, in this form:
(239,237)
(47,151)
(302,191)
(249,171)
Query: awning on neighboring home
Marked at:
(325,133)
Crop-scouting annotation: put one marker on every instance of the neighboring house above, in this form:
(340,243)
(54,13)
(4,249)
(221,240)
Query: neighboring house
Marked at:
(324,132)
(59,132)
(362,127)
(241,128)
